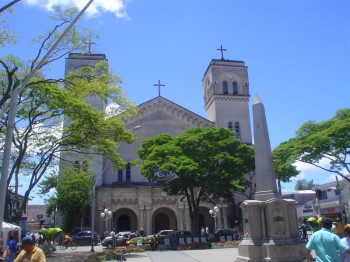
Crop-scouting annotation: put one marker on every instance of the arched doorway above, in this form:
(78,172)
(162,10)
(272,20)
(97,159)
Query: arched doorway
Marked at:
(124,223)
(125,219)
(161,222)
(164,219)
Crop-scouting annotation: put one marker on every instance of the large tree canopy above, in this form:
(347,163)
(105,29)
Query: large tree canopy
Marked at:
(209,163)
(39,137)
(325,145)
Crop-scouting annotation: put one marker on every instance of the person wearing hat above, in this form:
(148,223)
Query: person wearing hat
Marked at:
(326,244)
(30,252)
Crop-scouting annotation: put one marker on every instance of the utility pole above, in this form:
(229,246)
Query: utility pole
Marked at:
(12,106)
(342,210)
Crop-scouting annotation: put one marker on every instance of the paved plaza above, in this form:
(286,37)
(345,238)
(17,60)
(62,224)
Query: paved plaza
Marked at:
(206,255)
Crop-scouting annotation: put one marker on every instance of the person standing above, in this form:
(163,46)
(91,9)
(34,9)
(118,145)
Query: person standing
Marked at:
(346,257)
(326,244)
(112,234)
(30,252)
(12,250)
(339,228)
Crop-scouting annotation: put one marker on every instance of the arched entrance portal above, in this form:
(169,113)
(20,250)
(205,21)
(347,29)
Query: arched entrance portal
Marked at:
(124,223)
(125,219)
(163,219)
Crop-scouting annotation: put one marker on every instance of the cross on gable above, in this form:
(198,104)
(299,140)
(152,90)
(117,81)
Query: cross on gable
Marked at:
(159,86)
(221,49)
(90,43)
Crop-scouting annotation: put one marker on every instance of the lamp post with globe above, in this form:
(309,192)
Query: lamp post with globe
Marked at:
(106,215)
(214,212)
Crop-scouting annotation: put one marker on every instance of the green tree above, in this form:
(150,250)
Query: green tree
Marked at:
(39,139)
(209,163)
(325,145)
(303,184)
(73,196)
(284,169)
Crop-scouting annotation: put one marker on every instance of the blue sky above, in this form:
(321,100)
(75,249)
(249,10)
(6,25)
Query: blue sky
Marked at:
(297,52)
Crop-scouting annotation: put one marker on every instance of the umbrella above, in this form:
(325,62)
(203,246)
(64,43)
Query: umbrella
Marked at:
(50,233)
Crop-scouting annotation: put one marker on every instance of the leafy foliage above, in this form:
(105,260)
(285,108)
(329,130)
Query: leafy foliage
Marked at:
(73,195)
(38,142)
(304,184)
(209,163)
(325,145)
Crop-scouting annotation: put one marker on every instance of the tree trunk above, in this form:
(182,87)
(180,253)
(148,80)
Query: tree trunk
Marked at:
(195,221)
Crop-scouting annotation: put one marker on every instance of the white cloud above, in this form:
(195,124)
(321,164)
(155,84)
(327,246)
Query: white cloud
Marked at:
(117,7)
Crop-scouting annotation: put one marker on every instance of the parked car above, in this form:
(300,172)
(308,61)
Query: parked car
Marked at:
(162,233)
(84,238)
(120,239)
(183,233)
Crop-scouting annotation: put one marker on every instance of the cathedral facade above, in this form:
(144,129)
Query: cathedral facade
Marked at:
(135,202)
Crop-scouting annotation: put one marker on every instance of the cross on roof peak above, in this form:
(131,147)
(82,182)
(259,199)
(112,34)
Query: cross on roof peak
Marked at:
(90,43)
(159,86)
(221,49)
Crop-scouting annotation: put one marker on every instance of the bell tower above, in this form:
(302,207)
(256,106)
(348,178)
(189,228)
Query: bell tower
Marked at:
(94,162)
(226,96)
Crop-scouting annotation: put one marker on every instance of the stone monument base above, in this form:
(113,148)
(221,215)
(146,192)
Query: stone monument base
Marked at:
(270,232)
(272,250)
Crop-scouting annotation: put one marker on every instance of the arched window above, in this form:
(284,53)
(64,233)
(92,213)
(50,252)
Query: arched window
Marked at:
(128,172)
(237,129)
(235,88)
(225,88)
(230,126)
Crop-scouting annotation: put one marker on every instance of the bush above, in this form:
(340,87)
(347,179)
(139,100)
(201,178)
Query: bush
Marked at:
(145,240)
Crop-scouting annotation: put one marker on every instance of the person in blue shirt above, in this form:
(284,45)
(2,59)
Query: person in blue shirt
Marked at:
(326,244)
(12,248)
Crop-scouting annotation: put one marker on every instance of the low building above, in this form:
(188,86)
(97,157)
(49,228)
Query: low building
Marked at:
(305,200)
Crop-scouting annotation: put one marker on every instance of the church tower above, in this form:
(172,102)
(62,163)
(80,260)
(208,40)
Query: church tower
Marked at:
(226,96)
(77,62)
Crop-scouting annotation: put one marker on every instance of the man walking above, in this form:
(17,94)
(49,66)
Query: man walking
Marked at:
(326,244)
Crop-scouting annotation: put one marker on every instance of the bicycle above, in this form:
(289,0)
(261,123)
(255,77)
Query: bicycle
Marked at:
(70,244)
(48,248)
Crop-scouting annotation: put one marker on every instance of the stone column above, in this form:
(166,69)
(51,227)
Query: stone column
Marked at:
(141,218)
(224,213)
(219,220)
(148,223)
(180,218)
(188,219)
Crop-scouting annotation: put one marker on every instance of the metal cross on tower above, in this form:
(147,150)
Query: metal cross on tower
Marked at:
(221,49)
(159,86)
(90,43)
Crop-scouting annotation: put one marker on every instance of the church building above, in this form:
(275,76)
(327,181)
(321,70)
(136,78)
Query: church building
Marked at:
(137,203)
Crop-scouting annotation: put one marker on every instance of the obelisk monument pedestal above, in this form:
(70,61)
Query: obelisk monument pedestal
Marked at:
(270,224)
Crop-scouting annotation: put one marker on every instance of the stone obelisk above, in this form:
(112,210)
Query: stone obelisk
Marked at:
(266,187)
(270,224)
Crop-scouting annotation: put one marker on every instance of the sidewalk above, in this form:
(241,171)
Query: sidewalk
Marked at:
(204,255)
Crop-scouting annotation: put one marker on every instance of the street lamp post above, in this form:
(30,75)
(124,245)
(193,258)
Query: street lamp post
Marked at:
(106,215)
(214,212)
(342,210)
